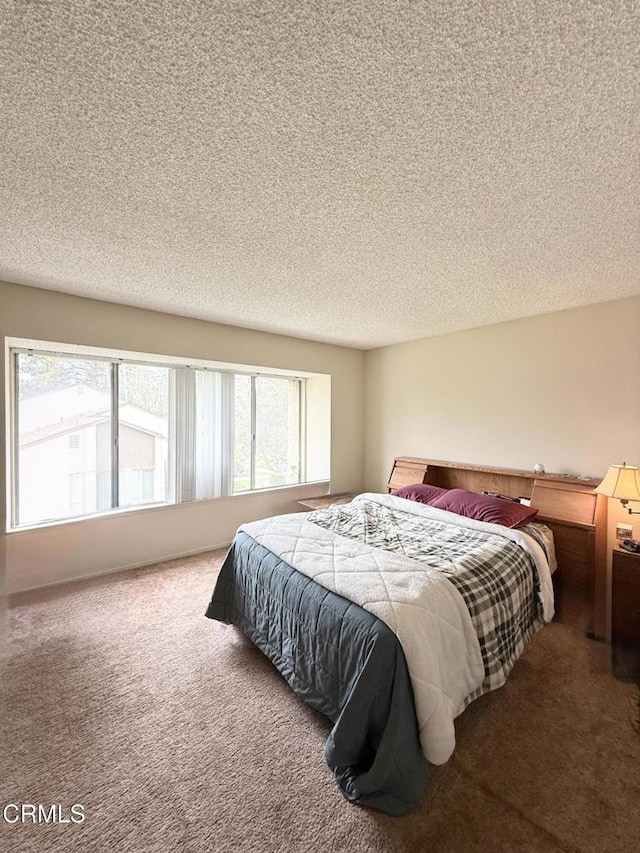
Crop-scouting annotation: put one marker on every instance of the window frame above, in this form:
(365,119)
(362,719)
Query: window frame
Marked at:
(252,429)
(16,347)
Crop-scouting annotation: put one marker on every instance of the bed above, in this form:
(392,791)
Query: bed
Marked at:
(388,616)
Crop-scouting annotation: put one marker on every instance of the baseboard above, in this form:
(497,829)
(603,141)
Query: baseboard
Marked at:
(113,571)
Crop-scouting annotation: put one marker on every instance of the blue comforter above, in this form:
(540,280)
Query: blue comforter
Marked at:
(342,660)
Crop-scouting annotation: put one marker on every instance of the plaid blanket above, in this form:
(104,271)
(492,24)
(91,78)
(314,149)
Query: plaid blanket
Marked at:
(496,578)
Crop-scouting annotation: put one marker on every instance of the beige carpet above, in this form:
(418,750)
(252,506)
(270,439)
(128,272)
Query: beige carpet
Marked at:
(176,734)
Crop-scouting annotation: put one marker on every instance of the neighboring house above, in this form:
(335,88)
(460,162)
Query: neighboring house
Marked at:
(65,451)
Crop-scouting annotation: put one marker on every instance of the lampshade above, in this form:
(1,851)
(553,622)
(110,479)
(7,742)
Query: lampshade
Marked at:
(622,482)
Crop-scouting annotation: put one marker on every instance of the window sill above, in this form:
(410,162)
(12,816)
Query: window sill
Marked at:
(159,507)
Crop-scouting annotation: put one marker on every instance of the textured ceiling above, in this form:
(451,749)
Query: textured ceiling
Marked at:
(358,172)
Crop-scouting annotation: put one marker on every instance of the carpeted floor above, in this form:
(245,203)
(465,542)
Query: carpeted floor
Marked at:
(177,735)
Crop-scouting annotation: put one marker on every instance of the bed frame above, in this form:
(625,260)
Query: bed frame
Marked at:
(566,504)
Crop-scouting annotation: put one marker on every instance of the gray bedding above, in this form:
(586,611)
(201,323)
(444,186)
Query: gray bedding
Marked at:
(448,605)
(493,576)
(342,660)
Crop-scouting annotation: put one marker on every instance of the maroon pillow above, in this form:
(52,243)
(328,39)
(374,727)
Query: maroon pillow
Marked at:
(485,508)
(420,492)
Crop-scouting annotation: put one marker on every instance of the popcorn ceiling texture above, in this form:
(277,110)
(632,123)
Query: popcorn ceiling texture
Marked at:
(361,173)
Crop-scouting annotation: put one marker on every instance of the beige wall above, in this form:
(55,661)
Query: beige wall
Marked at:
(562,389)
(90,546)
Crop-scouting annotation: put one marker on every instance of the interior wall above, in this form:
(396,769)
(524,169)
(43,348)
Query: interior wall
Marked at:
(562,389)
(90,546)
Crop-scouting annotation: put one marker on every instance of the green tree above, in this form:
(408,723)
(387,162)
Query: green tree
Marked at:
(40,374)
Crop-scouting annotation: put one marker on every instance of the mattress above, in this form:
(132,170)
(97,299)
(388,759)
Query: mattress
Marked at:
(461,599)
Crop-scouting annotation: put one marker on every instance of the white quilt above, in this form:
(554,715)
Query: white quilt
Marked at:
(418,603)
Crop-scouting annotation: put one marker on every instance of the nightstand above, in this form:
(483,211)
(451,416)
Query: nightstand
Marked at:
(327,500)
(625,615)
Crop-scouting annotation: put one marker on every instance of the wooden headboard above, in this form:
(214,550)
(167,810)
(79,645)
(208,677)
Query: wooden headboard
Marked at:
(567,505)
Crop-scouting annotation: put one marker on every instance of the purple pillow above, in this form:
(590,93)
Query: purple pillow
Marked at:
(485,508)
(420,492)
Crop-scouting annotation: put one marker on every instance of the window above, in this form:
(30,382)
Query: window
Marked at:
(243,435)
(143,429)
(267,432)
(97,433)
(60,399)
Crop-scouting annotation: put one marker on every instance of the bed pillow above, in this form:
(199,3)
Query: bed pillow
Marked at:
(485,508)
(420,492)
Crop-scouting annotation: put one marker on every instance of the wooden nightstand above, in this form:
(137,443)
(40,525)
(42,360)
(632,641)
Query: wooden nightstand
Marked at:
(625,615)
(327,500)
